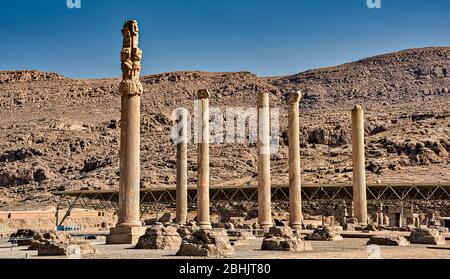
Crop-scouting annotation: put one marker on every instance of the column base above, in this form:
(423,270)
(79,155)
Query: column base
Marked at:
(205,226)
(125,235)
(266,225)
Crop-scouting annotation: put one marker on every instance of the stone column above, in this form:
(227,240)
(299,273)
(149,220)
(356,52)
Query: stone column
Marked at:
(182,176)
(381,215)
(295,192)
(359,166)
(129,227)
(411,215)
(203,218)
(264,186)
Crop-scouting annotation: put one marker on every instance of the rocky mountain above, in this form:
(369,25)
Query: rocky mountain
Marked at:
(58,133)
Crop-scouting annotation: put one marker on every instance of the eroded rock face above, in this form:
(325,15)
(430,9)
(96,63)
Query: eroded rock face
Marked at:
(207,243)
(388,240)
(284,239)
(160,237)
(326,233)
(424,235)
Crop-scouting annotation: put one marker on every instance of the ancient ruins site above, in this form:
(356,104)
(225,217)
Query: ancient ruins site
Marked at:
(346,162)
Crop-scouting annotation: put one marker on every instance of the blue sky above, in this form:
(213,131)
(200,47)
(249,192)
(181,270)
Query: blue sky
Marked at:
(276,37)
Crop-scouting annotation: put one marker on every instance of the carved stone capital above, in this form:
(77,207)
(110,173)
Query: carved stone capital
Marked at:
(131,54)
(131,87)
(294,97)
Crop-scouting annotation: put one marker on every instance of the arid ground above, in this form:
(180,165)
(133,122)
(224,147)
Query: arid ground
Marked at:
(350,248)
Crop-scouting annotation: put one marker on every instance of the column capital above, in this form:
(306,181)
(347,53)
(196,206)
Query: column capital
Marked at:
(131,87)
(357,108)
(131,54)
(295,96)
(203,94)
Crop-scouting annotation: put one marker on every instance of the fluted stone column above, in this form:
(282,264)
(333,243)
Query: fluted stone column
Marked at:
(203,218)
(359,166)
(264,186)
(295,192)
(182,173)
(129,227)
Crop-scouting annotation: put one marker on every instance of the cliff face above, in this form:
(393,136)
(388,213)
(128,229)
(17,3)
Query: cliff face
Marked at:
(61,133)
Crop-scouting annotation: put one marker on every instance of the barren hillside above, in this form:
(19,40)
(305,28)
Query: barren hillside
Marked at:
(61,133)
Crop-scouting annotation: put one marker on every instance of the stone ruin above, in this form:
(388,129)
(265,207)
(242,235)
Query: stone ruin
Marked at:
(51,243)
(240,237)
(326,233)
(160,237)
(284,239)
(206,243)
(425,235)
(388,240)
(197,242)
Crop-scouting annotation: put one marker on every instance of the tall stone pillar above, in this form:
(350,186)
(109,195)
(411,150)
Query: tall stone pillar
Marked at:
(359,166)
(381,222)
(182,173)
(129,228)
(295,191)
(203,218)
(264,186)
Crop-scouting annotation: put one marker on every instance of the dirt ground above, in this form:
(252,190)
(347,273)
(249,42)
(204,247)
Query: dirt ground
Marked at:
(347,249)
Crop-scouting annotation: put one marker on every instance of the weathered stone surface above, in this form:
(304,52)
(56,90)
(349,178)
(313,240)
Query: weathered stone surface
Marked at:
(284,239)
(229,226)
(166,218)
(40,238)
(285,244)
(388,240)
(236,220)
(86,247)
(240,237)
(60,244)
(53,235)
(371,227)
(34,245)
(160,237)
(184,231)
(284,232)
(326,233)
(54,248)
(207,243)
(247,227)
(424,235)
